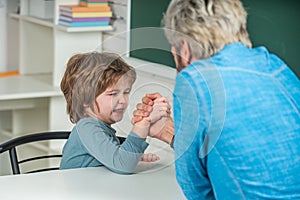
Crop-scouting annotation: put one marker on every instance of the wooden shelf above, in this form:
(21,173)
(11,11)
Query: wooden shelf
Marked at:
(27,87)
(7,133)
(39,49)
(43,22)
(14,15)
(49,23)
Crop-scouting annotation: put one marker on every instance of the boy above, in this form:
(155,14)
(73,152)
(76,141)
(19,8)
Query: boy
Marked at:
(96,87)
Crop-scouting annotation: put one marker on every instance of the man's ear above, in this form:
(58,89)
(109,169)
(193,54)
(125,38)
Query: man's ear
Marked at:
(185,53)
(174,54)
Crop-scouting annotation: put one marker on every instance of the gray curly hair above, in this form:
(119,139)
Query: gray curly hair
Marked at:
(208,25)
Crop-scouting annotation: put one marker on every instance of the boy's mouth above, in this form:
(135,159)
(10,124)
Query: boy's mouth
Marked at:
(119,110)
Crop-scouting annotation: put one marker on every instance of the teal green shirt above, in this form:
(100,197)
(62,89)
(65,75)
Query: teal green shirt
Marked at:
(93,143)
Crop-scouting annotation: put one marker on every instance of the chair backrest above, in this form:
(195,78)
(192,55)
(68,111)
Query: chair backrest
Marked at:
(11,147)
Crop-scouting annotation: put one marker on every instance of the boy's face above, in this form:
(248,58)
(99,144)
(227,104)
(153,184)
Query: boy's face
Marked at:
(113,102)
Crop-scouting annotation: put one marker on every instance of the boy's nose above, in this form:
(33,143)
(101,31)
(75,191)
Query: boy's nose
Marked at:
(122,99)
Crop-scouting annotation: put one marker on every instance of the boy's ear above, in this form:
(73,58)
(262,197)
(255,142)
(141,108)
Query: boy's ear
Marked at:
(92,109)
(86,105)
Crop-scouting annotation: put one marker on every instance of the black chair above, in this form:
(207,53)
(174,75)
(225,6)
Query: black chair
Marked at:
(11,145)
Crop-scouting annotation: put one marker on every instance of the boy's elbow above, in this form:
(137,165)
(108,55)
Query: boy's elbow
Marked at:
(123,171)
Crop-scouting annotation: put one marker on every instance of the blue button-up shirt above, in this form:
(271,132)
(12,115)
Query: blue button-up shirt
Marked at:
(237,127)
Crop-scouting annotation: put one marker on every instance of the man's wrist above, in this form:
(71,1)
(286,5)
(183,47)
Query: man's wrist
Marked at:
(167,133)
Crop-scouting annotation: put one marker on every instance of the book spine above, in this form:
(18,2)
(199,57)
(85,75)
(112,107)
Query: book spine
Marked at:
(88,14)
(94,4)
(94,1)
(85,9)
(84,19)
(82,24)
(10,73)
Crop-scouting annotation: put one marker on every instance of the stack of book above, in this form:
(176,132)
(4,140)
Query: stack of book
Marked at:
(87,13)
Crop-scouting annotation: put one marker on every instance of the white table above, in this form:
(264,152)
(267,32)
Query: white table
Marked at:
(152,181)
(92,183)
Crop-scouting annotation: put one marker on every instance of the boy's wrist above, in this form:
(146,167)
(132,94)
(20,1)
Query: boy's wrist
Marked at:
(142,128)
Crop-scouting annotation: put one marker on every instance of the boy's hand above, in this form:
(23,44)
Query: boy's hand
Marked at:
(161,108)
(149,157)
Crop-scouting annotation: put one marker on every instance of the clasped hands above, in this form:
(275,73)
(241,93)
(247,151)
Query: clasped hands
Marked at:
(156,109)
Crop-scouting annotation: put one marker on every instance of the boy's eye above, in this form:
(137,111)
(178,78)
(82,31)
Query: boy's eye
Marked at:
(113,94)
(127,92)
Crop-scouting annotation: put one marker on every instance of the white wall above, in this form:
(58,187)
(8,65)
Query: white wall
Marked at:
(3,39)
(3,36)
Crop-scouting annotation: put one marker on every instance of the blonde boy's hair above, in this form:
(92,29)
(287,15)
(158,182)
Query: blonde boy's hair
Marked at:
(208,25)
(87,76)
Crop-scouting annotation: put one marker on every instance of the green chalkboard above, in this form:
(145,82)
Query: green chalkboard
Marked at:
(147,40)
(275,24)
(271,23)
